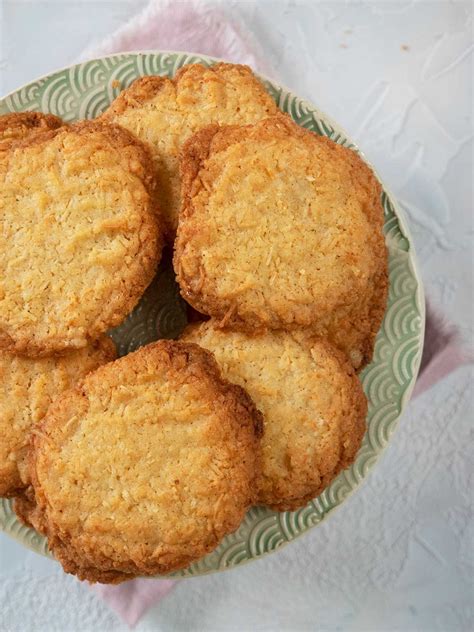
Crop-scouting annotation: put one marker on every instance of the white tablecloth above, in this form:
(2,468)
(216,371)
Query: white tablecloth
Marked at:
(399,554)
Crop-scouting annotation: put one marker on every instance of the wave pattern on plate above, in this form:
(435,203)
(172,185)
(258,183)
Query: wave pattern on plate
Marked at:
(86,90)
(160,313)
(265,534)
(19,531)
(292,523)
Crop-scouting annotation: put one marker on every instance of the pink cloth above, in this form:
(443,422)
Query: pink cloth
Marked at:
(131,599)
(184,25)
(196,27)
(442,352)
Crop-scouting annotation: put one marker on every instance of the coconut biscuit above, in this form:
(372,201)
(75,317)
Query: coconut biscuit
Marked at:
(144,466)
(282,229)
(79,241)
(20,125)
(312,403)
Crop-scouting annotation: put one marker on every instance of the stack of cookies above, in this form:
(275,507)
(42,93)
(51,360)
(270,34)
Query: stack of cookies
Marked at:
(141,465)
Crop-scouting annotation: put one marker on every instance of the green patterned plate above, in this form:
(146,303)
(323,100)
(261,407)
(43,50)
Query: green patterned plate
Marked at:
(84,91)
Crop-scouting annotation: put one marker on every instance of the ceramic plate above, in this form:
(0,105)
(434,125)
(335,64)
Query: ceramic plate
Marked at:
(84,91)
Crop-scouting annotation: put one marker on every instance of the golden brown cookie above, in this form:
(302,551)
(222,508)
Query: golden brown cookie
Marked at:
(312,403)
(145,465)
(27,387)
(282,229)
(79,241)
(24,506)
(20,125)
(165,112)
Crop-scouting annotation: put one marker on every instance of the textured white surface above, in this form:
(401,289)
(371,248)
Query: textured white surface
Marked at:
(399,554)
